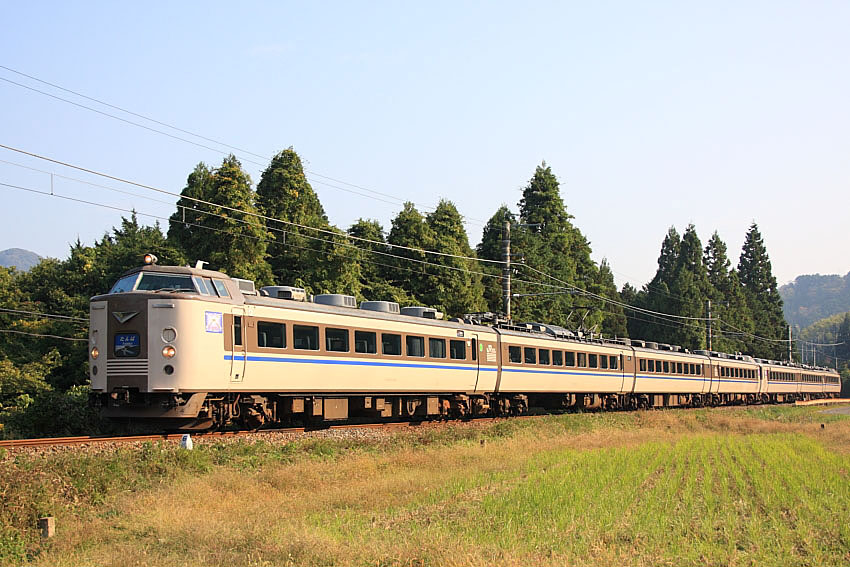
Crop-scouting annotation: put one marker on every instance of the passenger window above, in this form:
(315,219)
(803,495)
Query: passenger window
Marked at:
(305,337)
(457,350)
(614,359)
(651,366)
(336,340)
(643,364)
(687,368)
(582,360)
(699,369)
(544,356)
(515,354)
(666,367)
(271,335)
(557,358)
(221,288)
(365,342)
(391,344)
(437,348)
(678,368)
(415,346)
(570,359)
(592,359)
(530,355)
(237,330)
(603,361)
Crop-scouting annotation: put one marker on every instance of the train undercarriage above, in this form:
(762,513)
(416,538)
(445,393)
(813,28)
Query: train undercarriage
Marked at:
(205,411)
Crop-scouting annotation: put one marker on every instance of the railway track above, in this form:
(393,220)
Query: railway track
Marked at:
(85,440)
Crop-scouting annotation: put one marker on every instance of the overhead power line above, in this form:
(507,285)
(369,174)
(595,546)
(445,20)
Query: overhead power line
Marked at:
(249,213)
(47,315)
(374,194)
(14,332)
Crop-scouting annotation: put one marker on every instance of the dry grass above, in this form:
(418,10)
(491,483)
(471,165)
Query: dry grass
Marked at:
(646,488)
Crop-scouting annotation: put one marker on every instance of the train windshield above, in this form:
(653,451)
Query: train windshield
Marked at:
(155,282)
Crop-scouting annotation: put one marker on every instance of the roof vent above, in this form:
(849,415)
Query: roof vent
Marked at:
(701,352)
(651,344)
(284,292)
(424,312)
(664,346)
(336,299)
(245,286)
(675,348)
(638,343)
(380,306)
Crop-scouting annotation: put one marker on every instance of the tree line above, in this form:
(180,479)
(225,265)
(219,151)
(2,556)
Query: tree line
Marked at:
(278,233)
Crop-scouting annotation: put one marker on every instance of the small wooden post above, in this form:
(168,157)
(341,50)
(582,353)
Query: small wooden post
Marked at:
(47,526)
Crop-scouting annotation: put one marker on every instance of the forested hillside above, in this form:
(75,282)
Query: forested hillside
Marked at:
(278,232)
(810,298)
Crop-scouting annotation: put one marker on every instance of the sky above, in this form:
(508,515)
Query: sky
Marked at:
(651,114)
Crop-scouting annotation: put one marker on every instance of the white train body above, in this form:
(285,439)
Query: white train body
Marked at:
(193,348)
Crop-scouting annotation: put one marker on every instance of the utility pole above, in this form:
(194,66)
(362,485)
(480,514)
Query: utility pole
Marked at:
(790,359)
(708,321)
(506,269)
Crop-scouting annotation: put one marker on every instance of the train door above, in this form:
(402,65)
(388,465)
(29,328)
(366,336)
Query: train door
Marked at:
(628,368)
(476,357)
(238,362)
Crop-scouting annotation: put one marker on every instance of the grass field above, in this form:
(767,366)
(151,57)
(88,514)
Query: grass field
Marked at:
(765,486)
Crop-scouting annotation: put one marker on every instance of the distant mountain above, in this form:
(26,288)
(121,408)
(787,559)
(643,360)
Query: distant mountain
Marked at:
(813,297)
(21,259)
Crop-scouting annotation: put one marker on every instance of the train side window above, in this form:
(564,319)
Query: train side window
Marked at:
(305,337)
(391,343)
(593,360)
(569,358)
(237,330)
(699,369)
(366,342)
(614,359)
(658,366)
(687,368)
(415,346)
(530,355)
(336,340)
(558,358)
(693,368)
(203,287)
(221,288)
(651,366)
(678,368)
(543,353)
(582,359)
(271,335)
(603,362)
(643,364)
(437,348)
(515,354)
(666,367)
(457,350)
(474,349)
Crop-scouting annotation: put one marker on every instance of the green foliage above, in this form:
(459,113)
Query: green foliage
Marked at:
(377,274)
(231,241)
(49,413)
(762,296)
(810,298)
(320,260)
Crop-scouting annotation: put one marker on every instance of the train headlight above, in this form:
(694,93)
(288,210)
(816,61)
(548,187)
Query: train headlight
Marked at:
(150,259)
(94,353)
(168,351)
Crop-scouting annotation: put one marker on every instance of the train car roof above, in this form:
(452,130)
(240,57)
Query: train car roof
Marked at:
(176,270)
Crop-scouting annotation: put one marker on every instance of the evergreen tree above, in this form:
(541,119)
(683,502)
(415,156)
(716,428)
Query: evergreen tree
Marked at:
(729,306)
(410,229)
(377,274)
(456,288)
(762,295)
(490,248)
(299,256)
(613,317)
(551,244)
(231,241)
(843,337)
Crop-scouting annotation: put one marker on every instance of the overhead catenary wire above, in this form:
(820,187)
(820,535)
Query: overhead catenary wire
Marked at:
(42,335)
(47,315)
(395,200)
(249,213)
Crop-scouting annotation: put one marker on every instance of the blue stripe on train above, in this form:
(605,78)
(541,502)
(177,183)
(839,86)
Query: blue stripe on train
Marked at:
(334,362)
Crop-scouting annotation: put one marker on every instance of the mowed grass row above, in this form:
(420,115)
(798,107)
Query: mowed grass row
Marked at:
(647,488)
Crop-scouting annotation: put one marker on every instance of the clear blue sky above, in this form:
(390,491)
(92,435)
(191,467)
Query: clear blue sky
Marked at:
(652,114)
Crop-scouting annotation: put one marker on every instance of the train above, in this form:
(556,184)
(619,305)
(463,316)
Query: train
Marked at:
(193,349)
